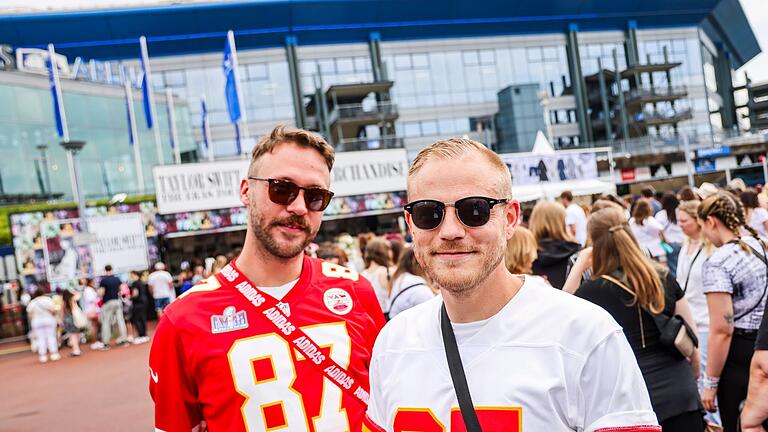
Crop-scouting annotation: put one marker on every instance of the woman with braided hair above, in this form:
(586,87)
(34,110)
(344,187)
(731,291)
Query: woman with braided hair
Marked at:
(735,279)
(634,289)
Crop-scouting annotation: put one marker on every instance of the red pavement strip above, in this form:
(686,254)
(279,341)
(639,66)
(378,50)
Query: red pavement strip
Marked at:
(98,391)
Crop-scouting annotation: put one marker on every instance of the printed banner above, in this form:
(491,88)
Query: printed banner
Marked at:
(533,169)
(216,185)
(119,241)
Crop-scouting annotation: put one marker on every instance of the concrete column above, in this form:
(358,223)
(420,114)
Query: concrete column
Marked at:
(578,84)
(725,89)
(620,93)
(374,49)
(631,52)
(606,105)
(293,70)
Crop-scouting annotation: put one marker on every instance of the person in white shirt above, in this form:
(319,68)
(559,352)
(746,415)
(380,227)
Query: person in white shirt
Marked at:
(756,216)
(409,288)
(42,320)
(535,358)
(575,218)
(696,249)
(672,233)
(161,286)
(647,230)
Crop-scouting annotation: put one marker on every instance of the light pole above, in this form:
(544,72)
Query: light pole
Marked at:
(44,162)
(72,148)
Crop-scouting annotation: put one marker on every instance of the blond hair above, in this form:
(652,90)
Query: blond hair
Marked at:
(615,247)
(729,210)
(283,134)
(455,148)
(521,250)
(548,222)
(691,208)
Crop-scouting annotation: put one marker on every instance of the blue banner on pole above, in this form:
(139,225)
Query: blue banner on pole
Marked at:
(230,89)
(204,122)
(128,117)
(237,139)
(146,84)
(54,84)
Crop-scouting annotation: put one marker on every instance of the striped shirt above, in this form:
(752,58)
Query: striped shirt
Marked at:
(743,275)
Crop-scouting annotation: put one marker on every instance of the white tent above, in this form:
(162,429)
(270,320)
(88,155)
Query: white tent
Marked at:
(552,190)
(541,145)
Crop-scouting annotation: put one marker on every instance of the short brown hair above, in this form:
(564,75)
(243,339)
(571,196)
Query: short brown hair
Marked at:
(453,148)
(283,134)
(566,195)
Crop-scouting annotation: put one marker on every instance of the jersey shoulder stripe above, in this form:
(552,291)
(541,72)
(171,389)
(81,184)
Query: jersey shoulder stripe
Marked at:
(210,284)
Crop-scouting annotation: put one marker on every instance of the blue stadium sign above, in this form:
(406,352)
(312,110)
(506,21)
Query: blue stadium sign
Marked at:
(713,152)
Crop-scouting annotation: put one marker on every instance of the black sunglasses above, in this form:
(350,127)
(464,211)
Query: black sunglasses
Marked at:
(283,192)
(472,211)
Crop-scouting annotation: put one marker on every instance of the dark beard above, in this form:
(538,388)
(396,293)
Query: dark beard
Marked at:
(273,247)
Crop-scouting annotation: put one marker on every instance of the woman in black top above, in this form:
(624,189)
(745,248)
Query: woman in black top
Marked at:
(640,292)
(554,245)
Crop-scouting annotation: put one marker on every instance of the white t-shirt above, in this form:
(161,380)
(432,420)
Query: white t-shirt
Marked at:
(672,232)
(548,361)
(41,311)
(694,292)
(574,215)
(375,277)
(756,221)
(648,235)
(279,292)
(413,296)
(162,284)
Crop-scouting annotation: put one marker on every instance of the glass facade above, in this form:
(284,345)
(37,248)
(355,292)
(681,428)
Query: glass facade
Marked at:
(28,138)
(460,77)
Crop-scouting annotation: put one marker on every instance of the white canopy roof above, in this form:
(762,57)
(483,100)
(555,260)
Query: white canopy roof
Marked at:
(551,190)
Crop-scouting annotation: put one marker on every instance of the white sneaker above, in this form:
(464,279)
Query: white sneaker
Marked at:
(55,357)
(97,345)
(43,359)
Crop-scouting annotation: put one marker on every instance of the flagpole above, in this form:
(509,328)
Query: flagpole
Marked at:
(61,117)
(134,138)
(172,125)
(206,130)
(149,93)
(243,121)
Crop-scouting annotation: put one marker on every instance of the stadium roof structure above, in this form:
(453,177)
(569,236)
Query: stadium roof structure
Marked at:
(201,27)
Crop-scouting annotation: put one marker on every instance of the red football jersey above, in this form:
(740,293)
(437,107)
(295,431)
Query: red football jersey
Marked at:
(215,361)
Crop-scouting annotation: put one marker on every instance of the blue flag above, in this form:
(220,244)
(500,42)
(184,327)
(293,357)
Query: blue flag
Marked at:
(238,145)
(146,84)
(230,89)
(128,115)
(204,121)
(53,80)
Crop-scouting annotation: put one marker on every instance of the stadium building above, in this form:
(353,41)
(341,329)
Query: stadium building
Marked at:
(638,78)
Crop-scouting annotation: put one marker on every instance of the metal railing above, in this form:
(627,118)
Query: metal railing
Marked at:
(362,111)
(655,92)
(360,144)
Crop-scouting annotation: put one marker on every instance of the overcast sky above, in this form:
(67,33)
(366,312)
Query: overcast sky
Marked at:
(756,10)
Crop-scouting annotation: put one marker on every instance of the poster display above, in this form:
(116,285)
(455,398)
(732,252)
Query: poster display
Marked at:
(118,240)
(534,169)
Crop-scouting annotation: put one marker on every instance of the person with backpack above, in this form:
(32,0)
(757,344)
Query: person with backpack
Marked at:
(735,280)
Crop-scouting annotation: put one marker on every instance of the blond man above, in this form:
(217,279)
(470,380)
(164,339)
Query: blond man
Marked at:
(534,358)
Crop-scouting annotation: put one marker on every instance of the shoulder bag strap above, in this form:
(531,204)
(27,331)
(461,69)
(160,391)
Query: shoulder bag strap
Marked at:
(764,259)
(402,291)
(690,269)
(659,319)
(457,374)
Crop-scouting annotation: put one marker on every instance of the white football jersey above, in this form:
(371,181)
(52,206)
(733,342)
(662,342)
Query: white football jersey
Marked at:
(548,361)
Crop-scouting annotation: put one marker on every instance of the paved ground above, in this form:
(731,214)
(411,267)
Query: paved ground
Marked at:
(99,391)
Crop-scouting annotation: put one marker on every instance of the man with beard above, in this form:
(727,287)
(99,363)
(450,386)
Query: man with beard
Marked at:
(523,356)
(275,340)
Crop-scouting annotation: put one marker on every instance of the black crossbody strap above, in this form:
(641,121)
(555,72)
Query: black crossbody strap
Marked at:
(457,374)
(690,270)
